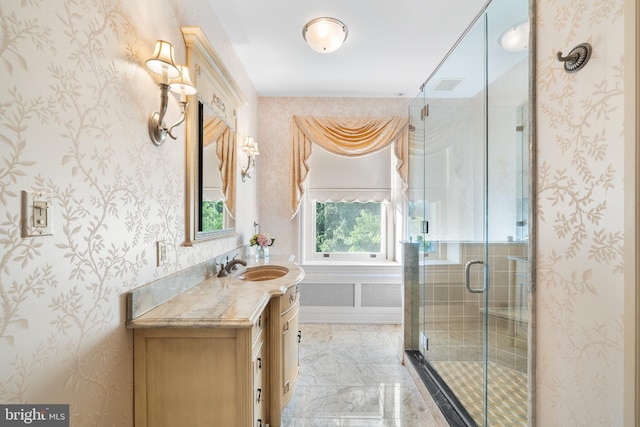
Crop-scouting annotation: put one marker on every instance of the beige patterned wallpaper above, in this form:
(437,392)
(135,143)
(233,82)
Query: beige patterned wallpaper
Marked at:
(75,97)
(580,216)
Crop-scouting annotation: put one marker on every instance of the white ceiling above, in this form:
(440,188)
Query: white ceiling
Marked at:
(391,49)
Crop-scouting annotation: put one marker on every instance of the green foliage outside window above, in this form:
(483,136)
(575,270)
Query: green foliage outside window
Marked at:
(212,215)
(348,227)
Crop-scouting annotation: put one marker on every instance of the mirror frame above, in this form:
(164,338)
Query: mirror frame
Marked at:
(203,61)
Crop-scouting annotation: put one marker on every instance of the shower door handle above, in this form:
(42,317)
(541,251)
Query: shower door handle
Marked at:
(467,276)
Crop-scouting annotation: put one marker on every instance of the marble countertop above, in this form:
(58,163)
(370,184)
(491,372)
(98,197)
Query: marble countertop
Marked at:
(221,302)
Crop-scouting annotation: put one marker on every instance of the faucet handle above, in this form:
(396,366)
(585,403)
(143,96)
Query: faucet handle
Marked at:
(223,270)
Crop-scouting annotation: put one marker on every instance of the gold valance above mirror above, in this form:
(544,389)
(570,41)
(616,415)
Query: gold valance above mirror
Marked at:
(211,142)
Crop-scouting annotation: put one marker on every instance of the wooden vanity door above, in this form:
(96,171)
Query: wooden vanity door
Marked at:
(290,353)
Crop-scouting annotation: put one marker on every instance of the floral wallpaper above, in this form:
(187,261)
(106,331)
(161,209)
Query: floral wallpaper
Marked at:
(75,98)
(580,216)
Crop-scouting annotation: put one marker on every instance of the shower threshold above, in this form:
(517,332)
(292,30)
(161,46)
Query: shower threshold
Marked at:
(451,408)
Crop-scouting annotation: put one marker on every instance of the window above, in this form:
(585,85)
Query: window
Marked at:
(349,228)
(212,215)
(346,212)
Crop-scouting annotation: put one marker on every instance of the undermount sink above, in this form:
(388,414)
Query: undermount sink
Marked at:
(261,273)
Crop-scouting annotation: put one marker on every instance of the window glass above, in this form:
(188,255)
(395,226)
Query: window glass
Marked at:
(212,215)
(352,227)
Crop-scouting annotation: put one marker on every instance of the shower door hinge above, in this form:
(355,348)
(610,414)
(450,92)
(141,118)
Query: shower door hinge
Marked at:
(425,227)
(424,341)
(519,128)
(424,113)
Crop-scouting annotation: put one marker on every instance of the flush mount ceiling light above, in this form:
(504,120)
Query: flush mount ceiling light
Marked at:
(325,35)
(516,38)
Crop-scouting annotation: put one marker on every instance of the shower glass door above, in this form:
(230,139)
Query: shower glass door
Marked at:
(468,211)
(456,198)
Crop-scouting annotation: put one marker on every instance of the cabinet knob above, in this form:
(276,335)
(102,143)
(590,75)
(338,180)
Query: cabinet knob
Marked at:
(299,337)
(259,424)
(259,395)
(259,360)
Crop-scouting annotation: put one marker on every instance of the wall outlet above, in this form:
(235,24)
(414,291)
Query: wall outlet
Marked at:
(161,252)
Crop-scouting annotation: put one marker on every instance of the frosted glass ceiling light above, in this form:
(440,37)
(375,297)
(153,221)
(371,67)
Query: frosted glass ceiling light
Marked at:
(325,35)
(516,38)
(175,78)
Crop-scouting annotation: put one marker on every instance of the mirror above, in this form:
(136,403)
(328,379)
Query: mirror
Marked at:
(211,142)
(215,207)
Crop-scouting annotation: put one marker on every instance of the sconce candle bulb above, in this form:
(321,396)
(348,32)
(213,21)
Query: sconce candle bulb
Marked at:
(162,63)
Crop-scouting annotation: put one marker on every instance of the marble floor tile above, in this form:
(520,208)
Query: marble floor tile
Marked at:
(314,422)
(403,402)
(351,376)
(368,422)
(360,402)
(313,373)
(320,402)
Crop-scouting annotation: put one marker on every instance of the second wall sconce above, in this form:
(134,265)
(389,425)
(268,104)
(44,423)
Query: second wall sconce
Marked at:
(175,78)
(250,148)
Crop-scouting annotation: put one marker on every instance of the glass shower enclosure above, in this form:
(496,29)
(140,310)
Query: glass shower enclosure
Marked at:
(468,213)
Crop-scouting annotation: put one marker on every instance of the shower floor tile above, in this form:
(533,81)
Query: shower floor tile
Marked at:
(507,399)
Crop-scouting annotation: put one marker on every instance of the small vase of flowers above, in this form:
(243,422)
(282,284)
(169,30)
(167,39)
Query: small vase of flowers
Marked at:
(262,241)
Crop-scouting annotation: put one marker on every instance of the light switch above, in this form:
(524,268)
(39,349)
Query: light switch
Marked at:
(36,213)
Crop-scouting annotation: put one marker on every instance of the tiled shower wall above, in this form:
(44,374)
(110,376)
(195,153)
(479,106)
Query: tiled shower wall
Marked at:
(453,316)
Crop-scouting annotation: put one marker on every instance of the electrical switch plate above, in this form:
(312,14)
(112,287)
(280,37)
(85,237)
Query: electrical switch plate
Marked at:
(161,251)
(37,207)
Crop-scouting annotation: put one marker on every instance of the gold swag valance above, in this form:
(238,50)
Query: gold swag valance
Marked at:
(350,137)
(216,131)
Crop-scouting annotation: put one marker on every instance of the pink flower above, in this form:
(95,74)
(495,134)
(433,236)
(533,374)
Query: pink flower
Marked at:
(264,240)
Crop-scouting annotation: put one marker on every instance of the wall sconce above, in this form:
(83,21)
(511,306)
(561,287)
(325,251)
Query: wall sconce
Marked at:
(175,78)
(250,148)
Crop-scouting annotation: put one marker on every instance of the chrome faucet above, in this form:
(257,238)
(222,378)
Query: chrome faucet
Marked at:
(231,265)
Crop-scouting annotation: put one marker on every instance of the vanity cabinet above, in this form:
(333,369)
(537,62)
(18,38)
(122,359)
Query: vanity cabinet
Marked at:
(260,375)
(225,352)
(201,377)
(291,337)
